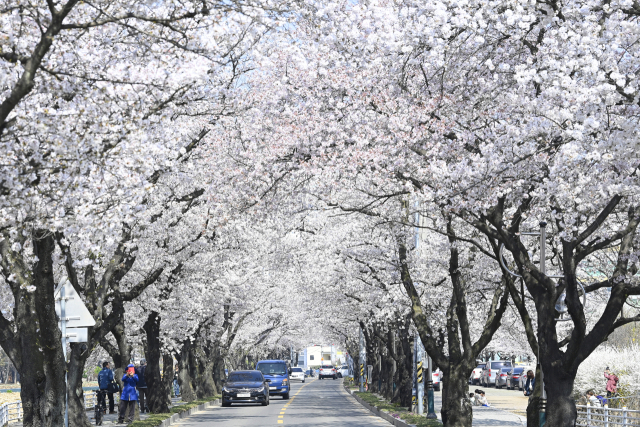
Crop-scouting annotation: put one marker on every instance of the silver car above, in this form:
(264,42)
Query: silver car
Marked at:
(491,371)
(501,378)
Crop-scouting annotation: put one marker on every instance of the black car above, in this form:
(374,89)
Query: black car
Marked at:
(245,387)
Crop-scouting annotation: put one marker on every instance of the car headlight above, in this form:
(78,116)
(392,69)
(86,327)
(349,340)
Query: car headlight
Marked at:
(225,389)
(260,390)
(285,382)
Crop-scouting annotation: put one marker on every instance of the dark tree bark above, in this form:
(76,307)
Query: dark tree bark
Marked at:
(35,348)
(459,361)
(186,360)
(560,366)
(158,397)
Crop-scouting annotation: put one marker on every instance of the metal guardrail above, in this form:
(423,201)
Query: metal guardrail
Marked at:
(10,412)
(603,416)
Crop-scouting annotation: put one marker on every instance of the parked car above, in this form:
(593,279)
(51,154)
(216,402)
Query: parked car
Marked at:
(327,371)
(436,377)
(307,373)
(276,371)
(491,371)
(245,387)
(476,374)
(297,374)
(501,378)
(343,371)
(523,378)
(513,377)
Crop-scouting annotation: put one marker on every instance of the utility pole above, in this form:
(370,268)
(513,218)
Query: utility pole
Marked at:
(431,413)
(431,410)
(362,359)
(543,270)
(419,375)
(63,327)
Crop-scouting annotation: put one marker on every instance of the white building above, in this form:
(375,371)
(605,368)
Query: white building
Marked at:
(317,355)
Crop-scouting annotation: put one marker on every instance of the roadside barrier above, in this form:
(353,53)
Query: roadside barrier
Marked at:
(603,416)
(10,412)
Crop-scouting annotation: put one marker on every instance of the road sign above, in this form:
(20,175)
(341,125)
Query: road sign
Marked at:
(77,335)
(76,314)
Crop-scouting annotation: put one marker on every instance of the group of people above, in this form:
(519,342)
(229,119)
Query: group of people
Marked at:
(594,399)
(134,390)
(479,399)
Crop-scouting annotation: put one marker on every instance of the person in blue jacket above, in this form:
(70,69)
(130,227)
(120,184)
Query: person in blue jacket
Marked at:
(129,396)
(104,379)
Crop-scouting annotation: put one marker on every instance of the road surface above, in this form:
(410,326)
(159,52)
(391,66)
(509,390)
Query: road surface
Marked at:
(314,403)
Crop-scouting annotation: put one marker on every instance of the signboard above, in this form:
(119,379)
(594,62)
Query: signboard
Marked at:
(76,314)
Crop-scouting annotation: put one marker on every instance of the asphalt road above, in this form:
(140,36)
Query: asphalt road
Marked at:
(314,403)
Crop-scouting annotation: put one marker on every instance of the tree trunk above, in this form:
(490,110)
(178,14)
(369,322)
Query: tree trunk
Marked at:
(185,370)
(405,372)
(561,408)
(37,350)
(158,398)
(167,375)
(77,413)
(456,406)
(533,406)
(205,384)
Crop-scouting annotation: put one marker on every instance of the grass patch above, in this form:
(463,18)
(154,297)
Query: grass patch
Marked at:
(155,420)
(398,411)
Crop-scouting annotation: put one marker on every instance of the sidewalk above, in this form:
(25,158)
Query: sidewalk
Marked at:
(493,417)
(111,419)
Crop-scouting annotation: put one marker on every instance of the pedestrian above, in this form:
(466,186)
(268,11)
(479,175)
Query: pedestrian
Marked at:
(105,377)
(612,382)
(128,397)
(530,384)
(592,399)
(142,385)
(480,398)
(176,384)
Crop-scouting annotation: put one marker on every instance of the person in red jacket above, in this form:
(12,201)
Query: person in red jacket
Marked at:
(612,382)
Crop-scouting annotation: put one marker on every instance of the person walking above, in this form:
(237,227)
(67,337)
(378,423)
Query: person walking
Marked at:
(530,384)
(105,377)
(176,384)
(612,382)
(142,385)
(128,397)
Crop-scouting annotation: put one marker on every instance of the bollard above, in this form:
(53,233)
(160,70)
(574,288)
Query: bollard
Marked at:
(624,416)
(606,415)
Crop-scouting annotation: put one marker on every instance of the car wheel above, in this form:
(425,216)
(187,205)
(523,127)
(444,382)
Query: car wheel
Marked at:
(285,396)
(334,377)
(303,381)
(226,404)
(266,402)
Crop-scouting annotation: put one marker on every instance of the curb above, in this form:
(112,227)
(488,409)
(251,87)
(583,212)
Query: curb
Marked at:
(176,417)
(395,421)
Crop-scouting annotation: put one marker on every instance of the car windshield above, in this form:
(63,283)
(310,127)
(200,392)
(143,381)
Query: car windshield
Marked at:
(481,366)
(518,370)
(236,377)
(296,369)
(272,368)
(500,365)
(327,367)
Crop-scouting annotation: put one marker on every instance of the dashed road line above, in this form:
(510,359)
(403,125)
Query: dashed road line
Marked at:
(284,408)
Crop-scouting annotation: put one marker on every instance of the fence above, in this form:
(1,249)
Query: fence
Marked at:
(13,411)
(598,416)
